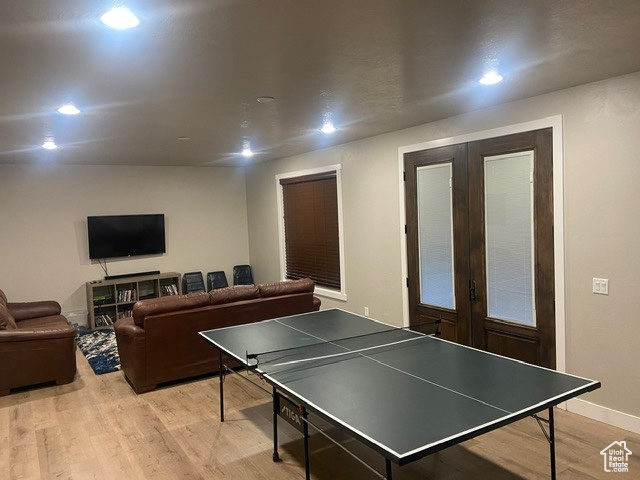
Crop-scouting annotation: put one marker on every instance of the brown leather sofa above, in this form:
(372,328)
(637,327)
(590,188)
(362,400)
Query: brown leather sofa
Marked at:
(160,342)
(37,344)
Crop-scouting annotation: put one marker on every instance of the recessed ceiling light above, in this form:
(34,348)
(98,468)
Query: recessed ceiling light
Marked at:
(68,109)
(328,128)
(49,144)
(246,149)
(184,139)
(120,18)
(265,99)
(491,78)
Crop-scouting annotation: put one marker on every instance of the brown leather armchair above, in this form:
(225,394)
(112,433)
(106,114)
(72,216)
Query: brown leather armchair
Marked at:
(37,344)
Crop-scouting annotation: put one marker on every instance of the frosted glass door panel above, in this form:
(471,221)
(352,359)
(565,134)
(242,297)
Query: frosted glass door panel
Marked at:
(435,235)
(508,181)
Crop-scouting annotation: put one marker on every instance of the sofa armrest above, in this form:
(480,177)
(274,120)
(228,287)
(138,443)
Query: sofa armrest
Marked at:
(132,349)
(26,310)
(7,336)
(316,303)
(127,328)
(33,356)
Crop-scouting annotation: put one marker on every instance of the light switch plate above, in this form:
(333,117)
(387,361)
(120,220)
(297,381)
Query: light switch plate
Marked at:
(601,286)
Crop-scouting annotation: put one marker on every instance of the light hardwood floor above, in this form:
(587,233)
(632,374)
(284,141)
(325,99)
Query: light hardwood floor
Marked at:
(97,427)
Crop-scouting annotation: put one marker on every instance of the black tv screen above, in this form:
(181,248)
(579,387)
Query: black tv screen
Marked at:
(125,235)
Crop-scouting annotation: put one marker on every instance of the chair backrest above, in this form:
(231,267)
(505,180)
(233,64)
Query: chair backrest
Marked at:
(192,282)
(242,275)
(216,280)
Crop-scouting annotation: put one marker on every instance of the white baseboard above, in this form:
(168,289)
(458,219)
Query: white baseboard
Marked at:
(604,415)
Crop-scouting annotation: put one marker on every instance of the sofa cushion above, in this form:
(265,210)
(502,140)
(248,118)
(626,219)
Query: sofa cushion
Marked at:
(3,298)
(7,321)
(288,287)
(48,322)
(234,293)
(172,303)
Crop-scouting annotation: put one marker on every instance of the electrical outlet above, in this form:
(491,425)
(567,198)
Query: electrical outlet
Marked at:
(366,311)
(601,286)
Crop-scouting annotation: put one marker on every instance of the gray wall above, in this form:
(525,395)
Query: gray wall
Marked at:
(601,123)
(43,238)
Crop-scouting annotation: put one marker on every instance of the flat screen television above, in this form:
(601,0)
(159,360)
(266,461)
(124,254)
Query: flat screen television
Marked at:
(113,236)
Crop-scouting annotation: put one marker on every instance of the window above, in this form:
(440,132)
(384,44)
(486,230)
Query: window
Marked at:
(310,227)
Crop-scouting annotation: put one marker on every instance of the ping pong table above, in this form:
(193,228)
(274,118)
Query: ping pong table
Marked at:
(404,394)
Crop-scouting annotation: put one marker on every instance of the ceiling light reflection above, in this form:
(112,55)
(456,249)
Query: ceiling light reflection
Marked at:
(49,144)
(68,109)
(120,18)
(328,128)
(491,78)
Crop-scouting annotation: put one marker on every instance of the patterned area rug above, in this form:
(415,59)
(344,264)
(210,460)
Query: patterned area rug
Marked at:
(99,347)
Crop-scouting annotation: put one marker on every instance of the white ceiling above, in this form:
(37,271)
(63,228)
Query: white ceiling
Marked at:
(195,68)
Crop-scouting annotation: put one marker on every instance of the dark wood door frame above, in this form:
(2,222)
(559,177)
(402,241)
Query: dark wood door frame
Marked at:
(477,330)
(542,338)
(455,325)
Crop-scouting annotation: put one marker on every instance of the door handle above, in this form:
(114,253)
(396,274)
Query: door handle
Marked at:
(472,290)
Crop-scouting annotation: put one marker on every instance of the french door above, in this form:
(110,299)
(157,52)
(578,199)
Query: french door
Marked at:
(480,243)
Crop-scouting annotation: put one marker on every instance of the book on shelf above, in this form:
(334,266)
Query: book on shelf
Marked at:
(103,320)
(170,289)
(127,295)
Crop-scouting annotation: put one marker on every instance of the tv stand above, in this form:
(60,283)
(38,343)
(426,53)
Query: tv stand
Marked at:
(128,275)
(114,297)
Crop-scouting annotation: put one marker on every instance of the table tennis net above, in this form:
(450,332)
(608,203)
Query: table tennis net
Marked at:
(331,351)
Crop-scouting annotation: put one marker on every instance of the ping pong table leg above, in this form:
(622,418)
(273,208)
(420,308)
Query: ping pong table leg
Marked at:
(221,366)
(552,445)
(389,474)
(276,409)
(305,433)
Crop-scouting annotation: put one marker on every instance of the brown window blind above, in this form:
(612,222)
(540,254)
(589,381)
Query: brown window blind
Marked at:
(312,247)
